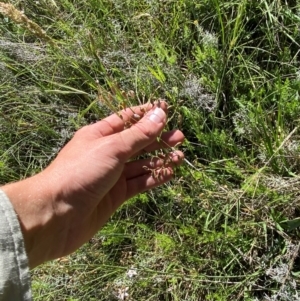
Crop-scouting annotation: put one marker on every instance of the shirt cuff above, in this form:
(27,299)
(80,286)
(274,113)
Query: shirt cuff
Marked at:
(14,270)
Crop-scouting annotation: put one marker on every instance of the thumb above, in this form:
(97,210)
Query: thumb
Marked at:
(143,133)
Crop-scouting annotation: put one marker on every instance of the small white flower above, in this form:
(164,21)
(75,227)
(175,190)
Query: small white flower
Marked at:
(131,273)
(122,293)
(279,273)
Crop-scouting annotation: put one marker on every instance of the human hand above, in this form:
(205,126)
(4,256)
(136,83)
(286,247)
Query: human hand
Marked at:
(66,204)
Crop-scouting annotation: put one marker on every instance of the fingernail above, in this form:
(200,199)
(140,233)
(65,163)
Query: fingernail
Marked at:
(158,115)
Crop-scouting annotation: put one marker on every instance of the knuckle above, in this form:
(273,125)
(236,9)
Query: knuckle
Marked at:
(145,130)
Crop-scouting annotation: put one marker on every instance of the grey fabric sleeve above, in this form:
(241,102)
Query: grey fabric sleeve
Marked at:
(14,270)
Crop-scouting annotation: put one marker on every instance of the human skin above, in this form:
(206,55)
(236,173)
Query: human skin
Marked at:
(63,206)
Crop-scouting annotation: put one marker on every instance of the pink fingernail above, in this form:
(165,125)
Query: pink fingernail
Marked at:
(158,115)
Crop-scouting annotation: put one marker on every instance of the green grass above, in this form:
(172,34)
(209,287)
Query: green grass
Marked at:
(226,228)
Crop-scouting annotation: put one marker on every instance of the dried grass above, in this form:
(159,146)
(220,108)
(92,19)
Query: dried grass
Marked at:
(19,17)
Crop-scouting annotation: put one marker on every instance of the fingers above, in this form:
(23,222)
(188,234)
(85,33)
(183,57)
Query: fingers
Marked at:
(148,181)
(141,134)
(145,166)
(115,123)
(134,186)
(166,140)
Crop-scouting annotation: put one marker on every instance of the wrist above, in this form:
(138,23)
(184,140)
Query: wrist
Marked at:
(33,203)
